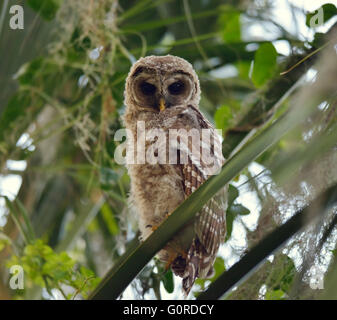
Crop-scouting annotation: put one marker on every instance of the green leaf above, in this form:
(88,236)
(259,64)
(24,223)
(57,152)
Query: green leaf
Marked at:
(46,8)
(15,108)
(168,282)
(87,273)
(218,267)
(38,69)
(233,209)
(222,117)
(233,193)
(329,11)
(264,64)
(230,217)
(3,243)
(109,218)
(26,219)
(319,40)
(17,220)
(230,25)
(275,295)
(282,274)
(80,44)
(239,209)
(28,71)
(243,68)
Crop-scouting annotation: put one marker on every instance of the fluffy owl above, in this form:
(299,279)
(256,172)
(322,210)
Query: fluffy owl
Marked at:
(163,92)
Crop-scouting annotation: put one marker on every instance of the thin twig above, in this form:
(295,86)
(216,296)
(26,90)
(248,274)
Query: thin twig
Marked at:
(304,59)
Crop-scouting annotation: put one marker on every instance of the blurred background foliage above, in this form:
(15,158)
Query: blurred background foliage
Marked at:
(63,206)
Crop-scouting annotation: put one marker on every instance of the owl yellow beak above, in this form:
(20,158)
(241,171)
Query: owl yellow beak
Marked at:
(162,106)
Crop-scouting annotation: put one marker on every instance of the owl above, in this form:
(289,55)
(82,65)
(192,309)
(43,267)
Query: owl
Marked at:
(162,93)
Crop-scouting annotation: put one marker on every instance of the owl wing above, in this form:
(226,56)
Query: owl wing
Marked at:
(210,223)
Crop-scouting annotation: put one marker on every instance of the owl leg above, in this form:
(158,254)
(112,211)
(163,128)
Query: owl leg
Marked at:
(177,251)
(173,254)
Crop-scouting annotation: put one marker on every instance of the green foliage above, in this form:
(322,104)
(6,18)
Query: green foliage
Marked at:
(218,268)
(19,214)
(319,40)
(47,269)
(4,241)
(280,280)
(16,106)
(168,282)
(229,24)
(233,193)
(109,219)
(239,209)
(36,71)
(222,117)
(46,8)
(275,295)
(284,273)
(233,210)
(264,64)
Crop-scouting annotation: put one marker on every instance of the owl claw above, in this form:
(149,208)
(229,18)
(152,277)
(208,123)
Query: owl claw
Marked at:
(167,214)
(153,228)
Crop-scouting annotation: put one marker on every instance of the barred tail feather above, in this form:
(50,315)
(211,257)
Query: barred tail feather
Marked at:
(198,265)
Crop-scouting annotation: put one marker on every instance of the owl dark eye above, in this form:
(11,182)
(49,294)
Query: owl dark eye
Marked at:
(176,87)
(147,89)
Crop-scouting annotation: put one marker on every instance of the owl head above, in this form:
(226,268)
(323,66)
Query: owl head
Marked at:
(158,83)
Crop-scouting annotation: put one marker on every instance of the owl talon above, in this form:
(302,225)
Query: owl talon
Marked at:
(153,228)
